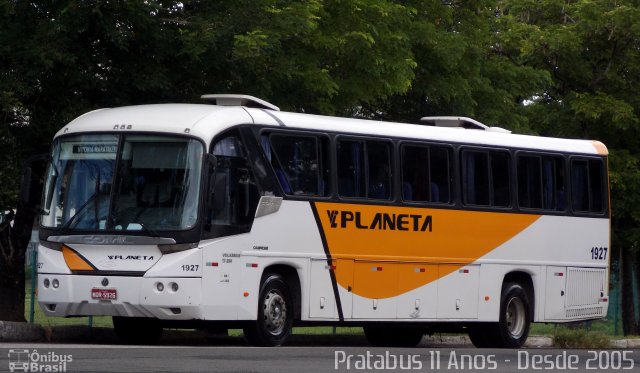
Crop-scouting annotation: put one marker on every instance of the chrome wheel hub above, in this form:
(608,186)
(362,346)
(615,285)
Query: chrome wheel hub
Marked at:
(275,312)
(515,317)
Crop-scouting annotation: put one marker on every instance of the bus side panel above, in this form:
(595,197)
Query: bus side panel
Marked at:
(420,303)
(458,291)
(554,243)
(223,278)
(288,238)
(556,240)
(492,277)
(322,301)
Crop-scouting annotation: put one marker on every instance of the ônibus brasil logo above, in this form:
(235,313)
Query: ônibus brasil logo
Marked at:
(23,360)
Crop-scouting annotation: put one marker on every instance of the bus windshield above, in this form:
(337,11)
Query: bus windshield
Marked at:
(123,183)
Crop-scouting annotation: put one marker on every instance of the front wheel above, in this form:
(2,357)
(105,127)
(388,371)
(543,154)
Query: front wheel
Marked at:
(275,314)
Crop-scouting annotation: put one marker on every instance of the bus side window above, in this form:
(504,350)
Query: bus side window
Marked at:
(530,182)
(485,180)
(553,188)
(500,181)
(587,185)
(415,173)
(475,180)
(233,192)
(425,174)
(364,169)
(440,167)
(351,176)
(299,162)
(379,170)
(541,182)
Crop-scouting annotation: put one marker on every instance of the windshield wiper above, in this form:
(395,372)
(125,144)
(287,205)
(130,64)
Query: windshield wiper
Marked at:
(69,224)
(135,220)
(146,229)
(81,210)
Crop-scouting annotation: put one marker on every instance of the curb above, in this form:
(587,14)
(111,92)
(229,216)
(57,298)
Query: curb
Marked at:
(536,341)
(626,344)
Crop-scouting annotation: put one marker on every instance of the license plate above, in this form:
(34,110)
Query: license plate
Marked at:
(108,294)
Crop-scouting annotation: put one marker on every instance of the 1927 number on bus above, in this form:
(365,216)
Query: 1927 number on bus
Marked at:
(599,253)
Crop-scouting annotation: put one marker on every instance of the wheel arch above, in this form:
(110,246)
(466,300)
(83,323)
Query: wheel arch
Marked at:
(290,274)
(526,281)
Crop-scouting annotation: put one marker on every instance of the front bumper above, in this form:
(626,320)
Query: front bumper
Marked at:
(136,296)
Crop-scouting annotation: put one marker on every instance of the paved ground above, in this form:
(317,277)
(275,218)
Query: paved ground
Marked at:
(117,358)
(78,349)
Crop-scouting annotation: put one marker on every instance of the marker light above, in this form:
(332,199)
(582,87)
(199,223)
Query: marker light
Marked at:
(46,283)
(160,286)
(75,261)
(55,283)
(174,287)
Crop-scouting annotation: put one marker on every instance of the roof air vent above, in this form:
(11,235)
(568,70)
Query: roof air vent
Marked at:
(238,100)
(460,122)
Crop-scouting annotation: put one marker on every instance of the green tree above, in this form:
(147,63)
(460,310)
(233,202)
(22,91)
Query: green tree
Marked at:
(464,67)
(591,49)
(312,56)
(59,59)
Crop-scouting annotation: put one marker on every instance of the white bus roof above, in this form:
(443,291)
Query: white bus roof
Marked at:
(206,121)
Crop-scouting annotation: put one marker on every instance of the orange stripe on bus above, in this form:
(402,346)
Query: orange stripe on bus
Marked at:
(396,239)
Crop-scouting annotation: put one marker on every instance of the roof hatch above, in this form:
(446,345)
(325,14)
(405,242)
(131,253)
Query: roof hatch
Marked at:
(238,100)
(460,122)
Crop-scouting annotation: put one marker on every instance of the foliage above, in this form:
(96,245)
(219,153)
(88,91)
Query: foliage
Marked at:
(552,67)
(579,338)
(591,49)
(464,67)
(312,56)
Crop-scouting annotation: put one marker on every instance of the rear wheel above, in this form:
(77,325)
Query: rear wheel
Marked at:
(515,320)
(137,330)
(388,336)
(275,314)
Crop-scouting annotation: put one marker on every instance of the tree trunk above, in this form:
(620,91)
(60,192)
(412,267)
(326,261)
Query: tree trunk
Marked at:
(628,277)
(12,277)
(13,245)
(636,295)
(14,241)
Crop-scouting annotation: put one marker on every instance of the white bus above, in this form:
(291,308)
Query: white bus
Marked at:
(235,214)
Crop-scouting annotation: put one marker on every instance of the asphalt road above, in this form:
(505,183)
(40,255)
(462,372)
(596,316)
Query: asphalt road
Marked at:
(306,359)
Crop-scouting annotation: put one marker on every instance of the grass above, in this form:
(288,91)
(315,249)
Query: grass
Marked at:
(602,326)
(580,338)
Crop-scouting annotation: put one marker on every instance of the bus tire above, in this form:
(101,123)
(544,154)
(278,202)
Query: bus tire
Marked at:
(389,336)
(137,330)
(275,314)
(515,319)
